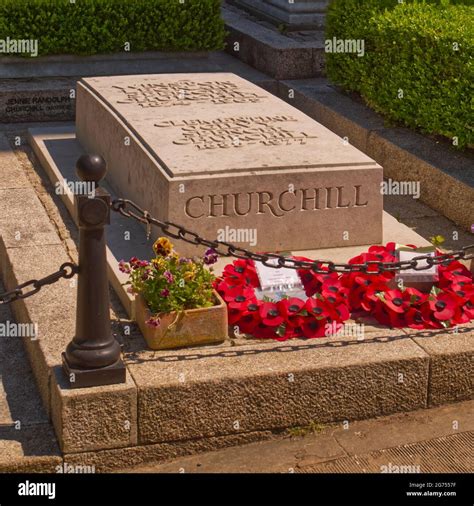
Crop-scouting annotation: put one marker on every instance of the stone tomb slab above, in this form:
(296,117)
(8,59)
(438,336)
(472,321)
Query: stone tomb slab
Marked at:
(228,160)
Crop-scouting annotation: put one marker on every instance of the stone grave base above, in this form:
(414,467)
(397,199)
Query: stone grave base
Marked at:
(186,401)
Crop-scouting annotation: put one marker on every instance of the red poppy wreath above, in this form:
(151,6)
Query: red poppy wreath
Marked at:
(332,297)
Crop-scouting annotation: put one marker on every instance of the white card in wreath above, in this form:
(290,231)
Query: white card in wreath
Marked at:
(278,283)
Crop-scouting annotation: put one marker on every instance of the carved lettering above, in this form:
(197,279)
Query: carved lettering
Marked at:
(188,205)
(236,132)
(280,201)
(214,204)
(314,199)
(186,92)
(265,201)
(277,205)
(340,197)
(357,197)
(237,209)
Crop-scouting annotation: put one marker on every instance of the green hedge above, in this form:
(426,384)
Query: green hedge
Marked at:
(104,26)
(409,47)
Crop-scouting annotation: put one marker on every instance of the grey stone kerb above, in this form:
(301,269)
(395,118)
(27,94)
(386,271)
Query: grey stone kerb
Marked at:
(295,14)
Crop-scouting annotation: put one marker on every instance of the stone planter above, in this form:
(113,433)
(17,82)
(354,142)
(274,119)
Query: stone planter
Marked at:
(193,328)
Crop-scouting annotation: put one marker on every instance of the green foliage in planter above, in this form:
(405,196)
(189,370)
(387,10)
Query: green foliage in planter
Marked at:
(170,282)
(422,50)
(88,27)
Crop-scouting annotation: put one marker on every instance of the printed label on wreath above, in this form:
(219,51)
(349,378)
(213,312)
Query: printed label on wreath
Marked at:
(277,284)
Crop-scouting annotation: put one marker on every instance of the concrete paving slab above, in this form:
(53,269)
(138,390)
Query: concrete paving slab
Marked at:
(11,174)
(104,64)
(449,454)
(20,403)
(31,449)
(21,223)
(276,456)
(454,235)
(403,207)
(404,428)
(27,441)
(52,309)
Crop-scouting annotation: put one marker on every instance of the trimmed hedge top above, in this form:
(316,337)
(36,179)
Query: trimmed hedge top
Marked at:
(418,66)
(89,27)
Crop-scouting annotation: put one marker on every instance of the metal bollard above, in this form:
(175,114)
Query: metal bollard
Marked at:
(93,356)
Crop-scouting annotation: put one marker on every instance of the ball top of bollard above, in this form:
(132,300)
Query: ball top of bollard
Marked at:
(91,168)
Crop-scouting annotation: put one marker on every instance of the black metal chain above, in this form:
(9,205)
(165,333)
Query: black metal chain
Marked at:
(129,209)
(66,271)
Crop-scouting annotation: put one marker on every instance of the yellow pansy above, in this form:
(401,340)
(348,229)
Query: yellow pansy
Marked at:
(163,247)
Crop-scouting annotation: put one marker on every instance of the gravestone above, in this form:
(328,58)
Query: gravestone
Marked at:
(295,14)
(230,161)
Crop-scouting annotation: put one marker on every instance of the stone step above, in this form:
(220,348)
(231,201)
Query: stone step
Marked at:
(278,53)
(27,441)
(298,15)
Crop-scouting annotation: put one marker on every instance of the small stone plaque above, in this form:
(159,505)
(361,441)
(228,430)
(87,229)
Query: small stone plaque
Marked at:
(228,160)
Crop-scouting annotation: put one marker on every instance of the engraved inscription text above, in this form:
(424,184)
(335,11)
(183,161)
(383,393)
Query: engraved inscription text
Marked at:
(276,204)
(186,92)
(237,132)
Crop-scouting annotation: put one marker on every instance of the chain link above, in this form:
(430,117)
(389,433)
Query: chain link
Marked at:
(418,263)
(29,288)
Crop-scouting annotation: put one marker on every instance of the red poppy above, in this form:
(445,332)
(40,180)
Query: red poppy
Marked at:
(443,306)
(291,311)
(381,313)
(414,297)
(250,317)
(395,301)
(241,272)
(397,320)
(414,318)
(364,296)
(468,308)
(314,328)
(233,316)
(317,307)
(238,297)
(342,313)
(263,331)
(271,314)
(429,319)
(454,272)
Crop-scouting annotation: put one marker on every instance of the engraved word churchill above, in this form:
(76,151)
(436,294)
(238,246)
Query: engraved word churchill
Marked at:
(276,204)
(185,92)
(236,132)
